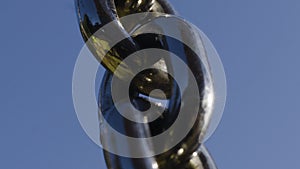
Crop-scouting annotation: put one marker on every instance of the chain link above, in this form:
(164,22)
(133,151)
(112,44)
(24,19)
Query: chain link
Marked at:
(190,153)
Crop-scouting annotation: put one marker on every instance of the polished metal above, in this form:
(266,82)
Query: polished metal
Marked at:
(190,153)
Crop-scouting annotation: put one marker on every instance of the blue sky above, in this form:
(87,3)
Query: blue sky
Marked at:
(258,42)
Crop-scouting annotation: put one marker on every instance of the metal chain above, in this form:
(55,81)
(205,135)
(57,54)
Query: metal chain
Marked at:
(189,153)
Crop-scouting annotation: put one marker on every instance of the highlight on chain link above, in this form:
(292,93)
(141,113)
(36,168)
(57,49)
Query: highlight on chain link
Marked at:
(154,85)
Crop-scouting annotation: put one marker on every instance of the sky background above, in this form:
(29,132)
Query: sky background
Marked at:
(258,42)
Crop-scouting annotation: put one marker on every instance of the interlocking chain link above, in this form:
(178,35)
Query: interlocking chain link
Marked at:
(190,152)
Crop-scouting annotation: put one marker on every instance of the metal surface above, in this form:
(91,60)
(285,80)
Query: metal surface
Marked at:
(189,153)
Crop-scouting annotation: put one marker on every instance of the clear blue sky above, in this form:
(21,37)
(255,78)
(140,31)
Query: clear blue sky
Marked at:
(258,41)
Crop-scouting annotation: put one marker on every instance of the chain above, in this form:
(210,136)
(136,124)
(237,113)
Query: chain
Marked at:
(189,153)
